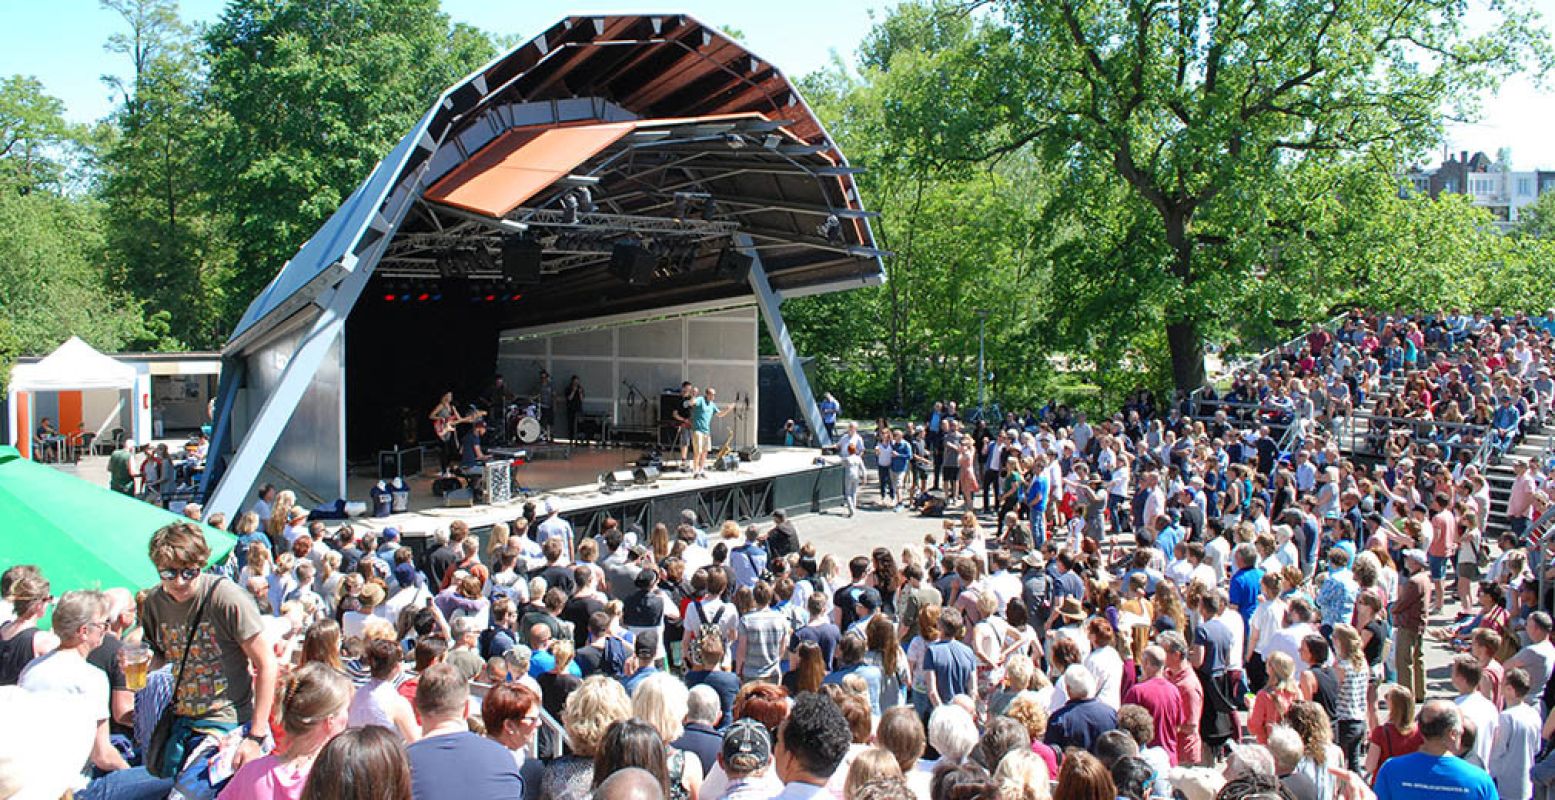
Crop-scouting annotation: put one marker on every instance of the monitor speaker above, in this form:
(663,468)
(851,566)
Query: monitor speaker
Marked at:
(632,263)
(734,265)
(521,259)
(645,475)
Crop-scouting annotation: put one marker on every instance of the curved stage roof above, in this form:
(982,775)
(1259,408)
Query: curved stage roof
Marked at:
(671,134)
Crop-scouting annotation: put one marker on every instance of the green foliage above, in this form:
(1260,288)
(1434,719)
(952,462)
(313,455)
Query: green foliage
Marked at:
(1537,219)
(33,136)
(303,98)
(52,284)
(164,244)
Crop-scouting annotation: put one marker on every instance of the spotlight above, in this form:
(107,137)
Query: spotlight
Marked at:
(586,200)
(734,140)
(569,209)
(831,229)
(389,297)
(709,209)
(682,205)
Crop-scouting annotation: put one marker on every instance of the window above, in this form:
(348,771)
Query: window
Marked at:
(1547,185)
(1482,185)
(1450,185)
(1525,187)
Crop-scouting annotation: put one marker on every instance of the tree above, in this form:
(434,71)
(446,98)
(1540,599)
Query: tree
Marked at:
(1204,111)
(164,244)
(33,136)
(304,97)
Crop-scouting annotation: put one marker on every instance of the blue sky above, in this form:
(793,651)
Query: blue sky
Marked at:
(61,43)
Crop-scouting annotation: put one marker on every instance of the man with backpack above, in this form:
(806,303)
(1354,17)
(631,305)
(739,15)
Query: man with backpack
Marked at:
(603,654)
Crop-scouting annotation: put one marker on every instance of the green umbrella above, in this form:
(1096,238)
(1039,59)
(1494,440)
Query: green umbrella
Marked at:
(81,535)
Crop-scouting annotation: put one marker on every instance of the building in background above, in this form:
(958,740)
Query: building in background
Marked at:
(1501,191)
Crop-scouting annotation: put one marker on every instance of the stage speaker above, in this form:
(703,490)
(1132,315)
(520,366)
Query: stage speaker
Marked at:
(733,264)
(632,263)
(669,406)
(645,475)
(521,259)
(752,453)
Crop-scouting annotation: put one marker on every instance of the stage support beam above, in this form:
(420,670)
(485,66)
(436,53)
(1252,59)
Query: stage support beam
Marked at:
(771,304)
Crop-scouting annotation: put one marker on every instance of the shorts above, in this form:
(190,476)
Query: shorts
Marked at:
(951,473)
(683,437)
(1438,567)
(701,442)
(1469,570)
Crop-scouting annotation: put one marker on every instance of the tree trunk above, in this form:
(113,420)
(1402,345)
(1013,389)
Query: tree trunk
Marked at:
(1182,337)
(1182,334)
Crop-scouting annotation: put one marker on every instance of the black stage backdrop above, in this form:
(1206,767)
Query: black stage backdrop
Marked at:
(400,358)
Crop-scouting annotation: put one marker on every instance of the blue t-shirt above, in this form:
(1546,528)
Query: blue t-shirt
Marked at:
(1036,493)
(457,766)
(702,412)
(1216,639)
(725,683)
(1422,776)
(826,636)
(871,675)
(828,411)
(953,664)
(1243,593)
(901,456)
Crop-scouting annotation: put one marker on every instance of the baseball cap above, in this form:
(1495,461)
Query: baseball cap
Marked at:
(647,644)
(391,534)
(1415,554)
(870,599)
(747,746)
(405,574)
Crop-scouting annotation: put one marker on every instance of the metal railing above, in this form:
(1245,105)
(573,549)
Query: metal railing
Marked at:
(1379,429)
(550,741)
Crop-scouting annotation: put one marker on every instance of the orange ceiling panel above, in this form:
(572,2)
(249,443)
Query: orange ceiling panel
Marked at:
(520,164)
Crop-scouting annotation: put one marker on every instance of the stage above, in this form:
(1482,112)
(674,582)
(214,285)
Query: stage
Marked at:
(786,478)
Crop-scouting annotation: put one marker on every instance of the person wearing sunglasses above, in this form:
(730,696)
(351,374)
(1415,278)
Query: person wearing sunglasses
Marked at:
(80,620)
(215,692)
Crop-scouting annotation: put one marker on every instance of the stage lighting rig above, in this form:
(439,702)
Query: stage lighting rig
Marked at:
(831,229)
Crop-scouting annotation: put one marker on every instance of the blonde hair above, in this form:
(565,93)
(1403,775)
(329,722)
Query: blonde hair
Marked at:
(1282,672)
(1401,707)
(498,539)
(662,700)
(591,709)
(1027,709)
(871,764)
(1347,646)
(730,530)
(1022,775)
(378,629)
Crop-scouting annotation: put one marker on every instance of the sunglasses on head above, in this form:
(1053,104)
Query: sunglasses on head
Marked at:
(187,573)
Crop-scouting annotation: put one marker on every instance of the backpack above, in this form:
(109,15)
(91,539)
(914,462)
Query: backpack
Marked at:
(612,663)
(708,627)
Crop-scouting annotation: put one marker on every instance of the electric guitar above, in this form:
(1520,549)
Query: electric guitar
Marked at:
(443,428)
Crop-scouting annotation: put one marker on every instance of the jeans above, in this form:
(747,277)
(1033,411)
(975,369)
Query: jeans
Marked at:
(1350,735)
(127,784)
(1543,778)
(887,486)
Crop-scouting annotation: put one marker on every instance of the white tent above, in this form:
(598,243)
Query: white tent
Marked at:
(77,368)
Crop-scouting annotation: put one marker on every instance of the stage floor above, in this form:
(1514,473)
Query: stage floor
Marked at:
(572,482)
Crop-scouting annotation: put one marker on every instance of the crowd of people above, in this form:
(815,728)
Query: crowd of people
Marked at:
(1154,605)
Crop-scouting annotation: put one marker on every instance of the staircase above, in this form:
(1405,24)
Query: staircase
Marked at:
(1502,473)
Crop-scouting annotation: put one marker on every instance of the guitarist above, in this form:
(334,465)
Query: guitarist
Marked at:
(445,424)
(703,410)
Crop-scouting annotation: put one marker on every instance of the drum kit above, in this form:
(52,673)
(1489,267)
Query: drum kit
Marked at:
(523,423)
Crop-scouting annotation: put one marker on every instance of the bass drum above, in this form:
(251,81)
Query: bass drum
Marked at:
(528,430)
